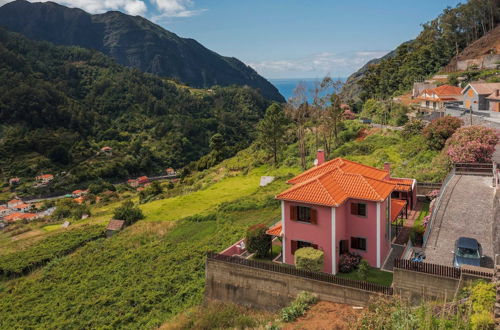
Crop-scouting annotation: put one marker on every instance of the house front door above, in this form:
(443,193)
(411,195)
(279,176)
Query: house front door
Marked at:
(343,246)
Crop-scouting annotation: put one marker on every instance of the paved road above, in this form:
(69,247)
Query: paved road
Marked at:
(466,210)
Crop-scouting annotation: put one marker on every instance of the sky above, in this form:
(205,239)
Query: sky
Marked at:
(286,38)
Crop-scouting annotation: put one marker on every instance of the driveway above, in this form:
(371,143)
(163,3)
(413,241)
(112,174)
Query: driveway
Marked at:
(466,210)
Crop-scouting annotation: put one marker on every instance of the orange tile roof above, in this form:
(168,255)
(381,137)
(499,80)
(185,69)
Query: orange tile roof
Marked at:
(22,206)
(336,181)
(276,230)
(15,201)
(447,90)
(13,217)
(402,184)
(346,165)
(397,206)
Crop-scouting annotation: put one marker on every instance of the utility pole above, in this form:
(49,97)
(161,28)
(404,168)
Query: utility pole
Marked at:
(470,114)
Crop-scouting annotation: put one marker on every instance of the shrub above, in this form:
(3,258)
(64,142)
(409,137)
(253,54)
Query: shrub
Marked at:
(309,258)
(257,241)
(363,269)
(473,144)
(129,212)
(298,307)
(348,262)
(412,127)
(439,130)
(417,234)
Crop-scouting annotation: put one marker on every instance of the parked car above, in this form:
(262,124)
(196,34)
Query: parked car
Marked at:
(467,251)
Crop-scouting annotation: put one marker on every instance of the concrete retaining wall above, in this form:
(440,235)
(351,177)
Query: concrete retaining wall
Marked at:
(264,289)
(417,286)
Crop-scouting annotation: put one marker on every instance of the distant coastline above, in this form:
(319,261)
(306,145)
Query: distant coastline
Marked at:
(286,86)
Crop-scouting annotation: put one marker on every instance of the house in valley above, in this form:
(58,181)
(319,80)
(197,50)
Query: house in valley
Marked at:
(14,181)
(44,178)
(79,193)
(437,98)
(4,211)
(494,100)
(341,206)
(23,207)
(143,180)
(13,203)
(478,96)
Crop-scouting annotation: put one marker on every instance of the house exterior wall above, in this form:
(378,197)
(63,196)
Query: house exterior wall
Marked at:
(347,226)
(494,105)
(319,233)
(471,99)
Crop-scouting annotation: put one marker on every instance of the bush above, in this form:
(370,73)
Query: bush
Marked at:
(417,234)
(298,307)
(257,241)
(309,258)
(363,269)
(129,212)
(473,144)
(413,127)
(439,130)
(348,262)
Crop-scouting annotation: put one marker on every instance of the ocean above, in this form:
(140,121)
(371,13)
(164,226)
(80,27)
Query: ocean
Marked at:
(286,86)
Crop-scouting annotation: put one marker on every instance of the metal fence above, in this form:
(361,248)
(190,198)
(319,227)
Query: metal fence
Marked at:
(474,168)
(424,267)
(441,270)
(437,206)
(318,276)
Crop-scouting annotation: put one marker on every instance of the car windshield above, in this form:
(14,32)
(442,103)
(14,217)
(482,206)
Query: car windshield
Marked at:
(467,253)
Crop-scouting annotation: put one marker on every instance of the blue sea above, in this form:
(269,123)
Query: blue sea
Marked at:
(286,86)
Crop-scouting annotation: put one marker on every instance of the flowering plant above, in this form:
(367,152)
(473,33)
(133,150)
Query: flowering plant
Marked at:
(472,144)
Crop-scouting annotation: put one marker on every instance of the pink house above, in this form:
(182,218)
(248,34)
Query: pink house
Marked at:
(341,206)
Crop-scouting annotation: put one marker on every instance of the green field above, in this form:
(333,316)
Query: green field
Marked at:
(149,272)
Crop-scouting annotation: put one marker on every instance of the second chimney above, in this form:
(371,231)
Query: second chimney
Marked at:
(320,157)
(387,167)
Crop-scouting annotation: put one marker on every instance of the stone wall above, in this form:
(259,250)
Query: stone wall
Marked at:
(264,289)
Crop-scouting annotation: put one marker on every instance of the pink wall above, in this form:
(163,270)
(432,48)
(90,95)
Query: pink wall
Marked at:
(319,233)
(347,226)
(365,227)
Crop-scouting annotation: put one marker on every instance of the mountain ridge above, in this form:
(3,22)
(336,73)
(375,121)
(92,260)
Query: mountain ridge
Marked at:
(133,41)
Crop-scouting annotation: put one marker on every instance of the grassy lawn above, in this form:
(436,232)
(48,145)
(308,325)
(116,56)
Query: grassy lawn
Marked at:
(275,250)
(201,201)
(375,275)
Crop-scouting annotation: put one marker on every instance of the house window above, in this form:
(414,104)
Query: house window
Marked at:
(358,243)
(303,214)
(358,209)
(395,194)
(302,244)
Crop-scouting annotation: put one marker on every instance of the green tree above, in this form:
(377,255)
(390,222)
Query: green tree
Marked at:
(129,212)
(271,131)
(257,241)
(217,142)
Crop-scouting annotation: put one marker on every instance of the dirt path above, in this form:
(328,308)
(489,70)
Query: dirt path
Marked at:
(327,315)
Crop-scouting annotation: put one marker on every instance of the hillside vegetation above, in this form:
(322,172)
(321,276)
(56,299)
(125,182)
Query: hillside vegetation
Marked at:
(60,105)
(440,40)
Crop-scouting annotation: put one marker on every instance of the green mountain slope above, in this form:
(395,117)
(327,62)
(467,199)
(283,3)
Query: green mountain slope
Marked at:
(60,105)
(440,40)
(132,41)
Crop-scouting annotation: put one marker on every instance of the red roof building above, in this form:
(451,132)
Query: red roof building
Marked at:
(341,206)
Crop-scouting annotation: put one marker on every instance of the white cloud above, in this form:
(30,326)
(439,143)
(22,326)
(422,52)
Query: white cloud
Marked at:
(162,8)
(316,65)
(175,8)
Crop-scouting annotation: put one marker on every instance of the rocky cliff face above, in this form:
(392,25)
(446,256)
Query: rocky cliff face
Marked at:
(133,41)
